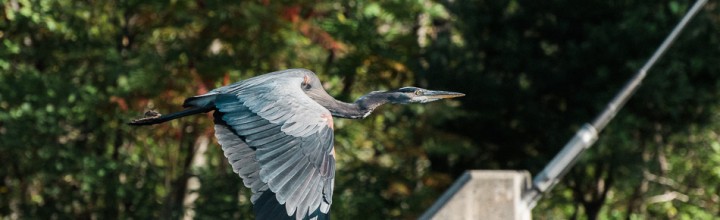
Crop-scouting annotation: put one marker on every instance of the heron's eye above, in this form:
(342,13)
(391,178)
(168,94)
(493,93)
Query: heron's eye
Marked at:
(306,86)
(418,92)
(306,83)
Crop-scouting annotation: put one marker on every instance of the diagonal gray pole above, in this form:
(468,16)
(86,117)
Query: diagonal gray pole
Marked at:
(588,134)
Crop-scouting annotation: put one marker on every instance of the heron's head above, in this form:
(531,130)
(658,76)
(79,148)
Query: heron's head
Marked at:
(418,95)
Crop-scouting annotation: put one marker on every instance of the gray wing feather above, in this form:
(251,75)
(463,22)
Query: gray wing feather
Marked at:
(284,140)
(295,188)
(241,157)
(301,195)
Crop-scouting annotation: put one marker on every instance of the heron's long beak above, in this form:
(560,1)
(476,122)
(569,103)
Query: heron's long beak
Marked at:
(441,94)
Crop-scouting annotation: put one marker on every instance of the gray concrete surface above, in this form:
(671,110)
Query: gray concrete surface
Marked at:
(484,194)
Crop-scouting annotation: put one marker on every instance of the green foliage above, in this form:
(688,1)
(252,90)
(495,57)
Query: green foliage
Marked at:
(537,70)
(72,73)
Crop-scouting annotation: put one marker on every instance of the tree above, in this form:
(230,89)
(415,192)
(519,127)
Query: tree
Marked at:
(536,70)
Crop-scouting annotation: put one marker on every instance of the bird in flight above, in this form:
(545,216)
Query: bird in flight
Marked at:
(276,131)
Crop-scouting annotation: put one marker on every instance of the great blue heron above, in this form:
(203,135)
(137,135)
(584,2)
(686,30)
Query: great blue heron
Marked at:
(276,130)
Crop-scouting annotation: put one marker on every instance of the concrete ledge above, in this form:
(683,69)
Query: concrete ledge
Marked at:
(484,194)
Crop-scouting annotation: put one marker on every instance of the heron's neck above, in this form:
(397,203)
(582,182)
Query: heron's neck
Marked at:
(361,108)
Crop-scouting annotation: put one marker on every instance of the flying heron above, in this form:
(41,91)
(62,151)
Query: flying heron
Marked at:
(276,130)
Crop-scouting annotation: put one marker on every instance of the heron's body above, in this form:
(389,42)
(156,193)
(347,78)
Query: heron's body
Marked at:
(277,132)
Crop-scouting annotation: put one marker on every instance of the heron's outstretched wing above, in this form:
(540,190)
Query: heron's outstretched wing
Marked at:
(279,141)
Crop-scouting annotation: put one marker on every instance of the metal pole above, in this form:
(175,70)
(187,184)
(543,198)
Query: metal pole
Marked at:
(619,101)
(588,134)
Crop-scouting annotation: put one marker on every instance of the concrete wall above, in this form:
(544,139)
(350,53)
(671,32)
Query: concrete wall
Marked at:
(484,194)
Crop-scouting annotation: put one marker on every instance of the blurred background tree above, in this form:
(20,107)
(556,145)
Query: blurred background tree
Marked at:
(72,73)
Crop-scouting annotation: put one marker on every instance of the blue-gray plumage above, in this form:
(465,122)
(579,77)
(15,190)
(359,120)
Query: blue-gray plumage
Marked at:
(276,131)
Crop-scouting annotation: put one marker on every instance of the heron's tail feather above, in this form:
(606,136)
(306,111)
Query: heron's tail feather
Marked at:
(153,117)
(201,100)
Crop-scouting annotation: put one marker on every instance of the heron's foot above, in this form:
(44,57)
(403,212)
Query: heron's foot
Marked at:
(149,115)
